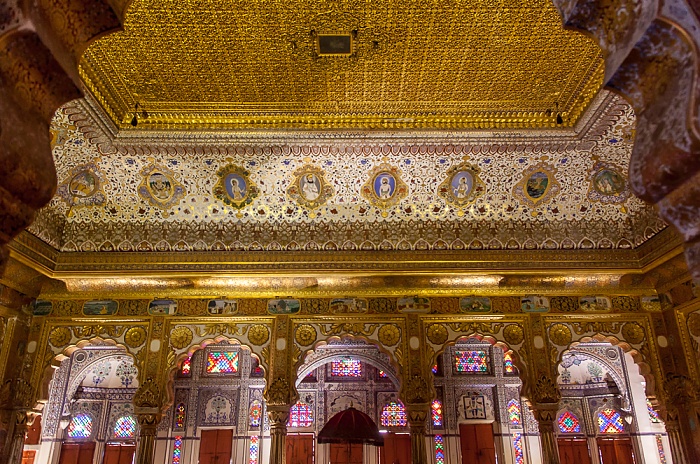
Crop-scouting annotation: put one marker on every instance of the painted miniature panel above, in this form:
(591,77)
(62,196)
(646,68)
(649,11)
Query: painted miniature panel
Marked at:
(283,306)
(595,303)
(475,304)
(162,307)
(474,406)
(348,305)
(534,304)
(100,308)
(413,305)
(222,307)
(41,308)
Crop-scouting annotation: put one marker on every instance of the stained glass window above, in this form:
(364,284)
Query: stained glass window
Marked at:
(610,421)
(382,375)
(222,362)
(177,450)
(518,448)
(186,367)
(439,450)
(514,412)
(346,367)
(568,423)
(660,447)
(393,415)
(653,415)
(255,413)
(471,361)
(256,370)
(125,427)
(435,369)
(508,366)
(436,409)
(254,450)
(80,426)
(180,416)
(300,415)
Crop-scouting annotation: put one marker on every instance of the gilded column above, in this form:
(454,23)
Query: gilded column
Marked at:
(417,415)
(545,414)
(416,392)
(675,441)
(147,408)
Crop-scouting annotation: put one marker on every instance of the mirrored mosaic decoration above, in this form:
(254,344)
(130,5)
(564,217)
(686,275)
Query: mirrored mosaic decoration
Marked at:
(125,427)
(80,427)
(471,361)
(222,362)
(346,367)
(300,415)
(177,450)
(610,421)
(569,423)
(514,413)
(393,415)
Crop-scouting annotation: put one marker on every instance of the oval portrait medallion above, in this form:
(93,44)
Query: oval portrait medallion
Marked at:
(609,182)
(236,187)
(160,186)
(83,184)
(462,183)
(537,185)
(310,187)
(384,185)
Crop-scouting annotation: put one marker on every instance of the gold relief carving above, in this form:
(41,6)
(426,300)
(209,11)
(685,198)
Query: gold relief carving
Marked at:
(354,328)
(506,304)
(389,335)
(135,337)
(305,335)
(694,324)
(565,304)
(181,337)
(314,306)
(220,329)
(546,390)
(633,333)
(476,327)
(148,395)
(279,392)
(258,334)
(252,307)
(598,327)
(445,305)
(132,307)
(416,390)
(92,330)
(437,334)
(560,334)
(65,308)
(513,334)
(60,336)
(187,307)
(626,303)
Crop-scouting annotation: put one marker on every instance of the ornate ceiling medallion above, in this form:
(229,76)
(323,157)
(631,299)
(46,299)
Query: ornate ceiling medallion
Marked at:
(538,185)
(608,185)
(462,186)
(160,188)
(234,187)
(384,188)
(83,187)
(310,188)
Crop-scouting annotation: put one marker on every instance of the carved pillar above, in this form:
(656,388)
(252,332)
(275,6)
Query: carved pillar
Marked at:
(546,415)
(147,408)
(675,441)
(418,414)
(278,416)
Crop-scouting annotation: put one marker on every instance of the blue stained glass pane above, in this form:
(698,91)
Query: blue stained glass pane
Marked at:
(222,362)
(177,450)
(80,427)
(610,421)
(125,427)
(393,415)
(471,361)
(518,448)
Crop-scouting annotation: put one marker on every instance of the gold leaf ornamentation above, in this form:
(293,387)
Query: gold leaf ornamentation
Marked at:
(513,334)
(389,335)
(694,324)
(181,337)
(546,390)
(258,334)
(279,392)
(60,336)
(135,337)
(354,328)
(476,327)
(560,334)
(306,335)
(437,334)
(633,332)
(219,329)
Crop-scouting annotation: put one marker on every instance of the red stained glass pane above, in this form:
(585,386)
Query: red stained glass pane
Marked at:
(347,367)
(471,361)
(225,362)
(393,415)
(300,415)
(568,423)
(514,412)
(610,421)
(436,409)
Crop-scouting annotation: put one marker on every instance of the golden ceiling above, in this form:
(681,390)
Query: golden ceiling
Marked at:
(246,64)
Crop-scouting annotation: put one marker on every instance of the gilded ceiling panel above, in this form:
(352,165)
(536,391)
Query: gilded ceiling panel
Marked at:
(349,194)
(410,64)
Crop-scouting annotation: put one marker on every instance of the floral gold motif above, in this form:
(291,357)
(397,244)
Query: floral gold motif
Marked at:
(305,335)
(633,332)
(180,337)
(560,334)
(258,334)
(389,335)
(437,334)
(513,334)
(135,337)
(60,336)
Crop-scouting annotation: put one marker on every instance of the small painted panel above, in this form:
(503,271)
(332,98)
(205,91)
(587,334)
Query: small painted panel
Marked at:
(162,307)
(384,188)
(595,303)
(608,185)
(413,304)
(462,185)
(474,407)
(309,189)
(83,186)
(534,304)
(41,308)
(348,305)
(234,187)
(283,306)
(160,188)
(100,308)
(475,304)
(222,307)
(655,302)
(538,185)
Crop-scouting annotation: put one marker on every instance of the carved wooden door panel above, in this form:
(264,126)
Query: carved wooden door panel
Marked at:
(117,453)
(215,447)
(573,450)
(477,443)
(397,449)
(616,450)
(346,454)
(77,453)
(300,449)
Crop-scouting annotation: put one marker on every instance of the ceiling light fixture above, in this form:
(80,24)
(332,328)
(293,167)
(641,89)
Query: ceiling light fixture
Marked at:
(560,120)
(137,114)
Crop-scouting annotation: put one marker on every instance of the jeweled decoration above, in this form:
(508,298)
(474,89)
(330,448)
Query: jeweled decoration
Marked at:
(518,448)
(439,449)
(393,415)
(125,427)
(610,421)
(186,369)
(177,450)
(508,366)
(254,450)
(346,367)
(514,412)
(300,415)
(436,410)
(653,415)
(255,413)
(222,362)
(471,361)
(80,427)
(568,423)
(180,416)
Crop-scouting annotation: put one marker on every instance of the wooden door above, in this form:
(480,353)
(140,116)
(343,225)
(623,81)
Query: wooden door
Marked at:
(573,450)
(215,447)
(396,450)
(616,450)
(77,453)
(342,453)
(300,449)
(28,456)
(118,453)
(477,443)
